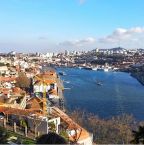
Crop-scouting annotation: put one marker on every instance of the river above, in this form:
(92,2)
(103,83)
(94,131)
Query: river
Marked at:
(119,92)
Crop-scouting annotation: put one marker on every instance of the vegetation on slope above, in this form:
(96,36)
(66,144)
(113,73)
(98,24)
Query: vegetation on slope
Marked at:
(116,130)
(138,73)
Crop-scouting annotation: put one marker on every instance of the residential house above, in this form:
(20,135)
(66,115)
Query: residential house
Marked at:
(4,70)
(46,82)
(33,120)
(36,104)
(14,98)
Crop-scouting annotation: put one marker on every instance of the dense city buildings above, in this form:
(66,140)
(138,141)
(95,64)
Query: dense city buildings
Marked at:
(32,91)
(32,94)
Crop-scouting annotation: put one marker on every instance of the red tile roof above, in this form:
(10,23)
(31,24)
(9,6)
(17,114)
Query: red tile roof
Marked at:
(5,90)
(15,111)
(81,132)
(7,79)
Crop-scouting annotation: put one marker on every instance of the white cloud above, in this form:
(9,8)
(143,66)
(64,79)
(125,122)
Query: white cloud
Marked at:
(121,34)
(129,38)
(136,30)
(81,42)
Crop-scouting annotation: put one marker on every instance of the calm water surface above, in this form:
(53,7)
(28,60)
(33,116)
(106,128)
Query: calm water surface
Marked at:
(120,93)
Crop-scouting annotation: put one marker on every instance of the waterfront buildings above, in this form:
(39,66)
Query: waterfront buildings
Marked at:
(37,102)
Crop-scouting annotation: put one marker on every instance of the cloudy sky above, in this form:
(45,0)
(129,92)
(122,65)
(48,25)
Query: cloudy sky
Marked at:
(57,25)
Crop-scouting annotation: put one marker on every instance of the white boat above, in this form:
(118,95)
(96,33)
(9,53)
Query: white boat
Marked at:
(67,82)
(115,69)
(67,88)
(94,68)
(99,83)
(106,69)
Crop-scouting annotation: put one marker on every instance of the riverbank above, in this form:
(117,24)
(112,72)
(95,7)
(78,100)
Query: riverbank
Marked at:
(136,72)
(139,77)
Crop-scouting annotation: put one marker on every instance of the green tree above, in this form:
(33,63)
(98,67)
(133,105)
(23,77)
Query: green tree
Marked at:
(8,65)
(138,136)
(4,135)
(52,126)
(23,124)
(64,134)
(2,64)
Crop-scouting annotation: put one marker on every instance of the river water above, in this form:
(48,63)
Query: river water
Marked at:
(119,92)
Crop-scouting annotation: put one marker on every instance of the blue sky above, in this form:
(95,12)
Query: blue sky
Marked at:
(57,25)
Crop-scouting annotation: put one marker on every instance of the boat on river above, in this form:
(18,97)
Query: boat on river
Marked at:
(94,68)
(99,83)
(62,73)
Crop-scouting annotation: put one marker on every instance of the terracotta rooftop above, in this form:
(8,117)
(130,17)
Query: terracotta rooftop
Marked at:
(7,79)
(39,82)
(53,92)
(17,90)
(35,103)
(5,90)
(47,75)
(81,134)
(15,111)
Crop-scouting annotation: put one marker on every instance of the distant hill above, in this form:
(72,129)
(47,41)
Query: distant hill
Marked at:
(118,49)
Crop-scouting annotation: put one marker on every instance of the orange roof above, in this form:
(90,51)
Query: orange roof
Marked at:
(53,92)
(5,90)
(50,72)
(17,90)
(14,91)
(66,118)
(7,79)
(46,75)
(45,81)
(35,103)
(81,132)
(16,111)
